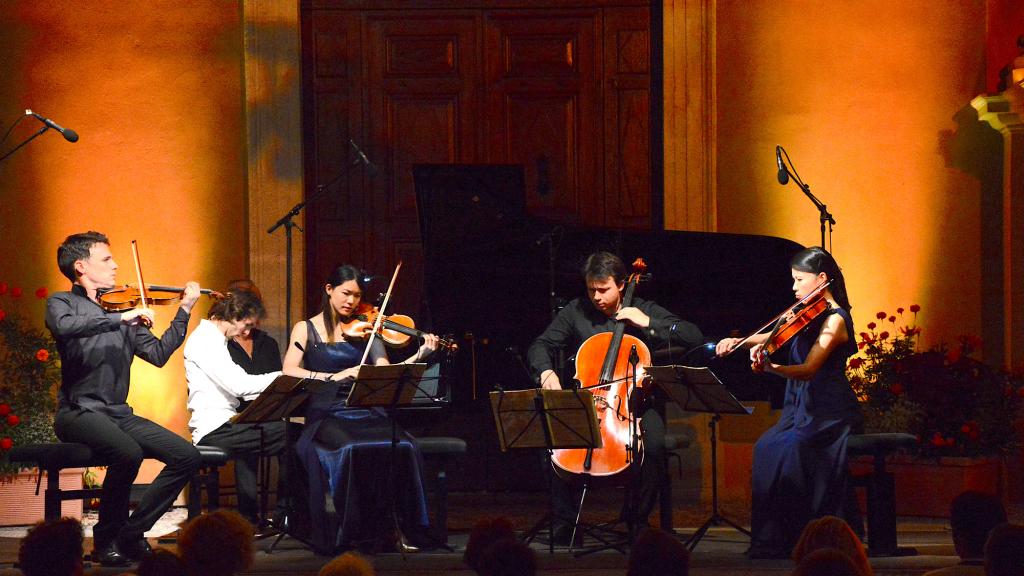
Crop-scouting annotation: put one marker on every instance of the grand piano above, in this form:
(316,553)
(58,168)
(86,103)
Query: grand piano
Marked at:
(497,273)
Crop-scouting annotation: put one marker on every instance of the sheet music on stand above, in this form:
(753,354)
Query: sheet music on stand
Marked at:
(278,401)
(385,385)
(696,389)
(546,419)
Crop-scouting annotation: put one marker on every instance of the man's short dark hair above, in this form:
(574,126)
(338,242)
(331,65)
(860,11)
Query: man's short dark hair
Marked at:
(600,265)
(972,516)
(74,248)
(51,548)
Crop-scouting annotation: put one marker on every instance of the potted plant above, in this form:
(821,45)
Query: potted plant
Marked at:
(29,377)
(961,410)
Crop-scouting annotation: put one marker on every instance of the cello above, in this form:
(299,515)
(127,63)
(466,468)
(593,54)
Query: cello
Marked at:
(603,367)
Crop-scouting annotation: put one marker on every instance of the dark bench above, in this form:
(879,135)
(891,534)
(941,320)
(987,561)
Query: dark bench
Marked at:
(441,450)
(880,487)
(51,458)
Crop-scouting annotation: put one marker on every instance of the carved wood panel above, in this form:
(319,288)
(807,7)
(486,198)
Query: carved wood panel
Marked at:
(543,109)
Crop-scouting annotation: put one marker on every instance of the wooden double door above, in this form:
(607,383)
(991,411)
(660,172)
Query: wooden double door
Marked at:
(561,87)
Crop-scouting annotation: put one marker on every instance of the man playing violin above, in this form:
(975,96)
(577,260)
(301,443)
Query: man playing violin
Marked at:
(96,351)
(605,275)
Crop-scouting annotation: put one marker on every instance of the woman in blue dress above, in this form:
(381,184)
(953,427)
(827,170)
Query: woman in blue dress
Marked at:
(800,467)
(347,452)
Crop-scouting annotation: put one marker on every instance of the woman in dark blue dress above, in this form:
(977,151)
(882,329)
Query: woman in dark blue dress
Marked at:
(800,467)
(347,452)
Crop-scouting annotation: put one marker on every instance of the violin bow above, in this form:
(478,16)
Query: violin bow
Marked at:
(138,272)
(775,320)
(380,315)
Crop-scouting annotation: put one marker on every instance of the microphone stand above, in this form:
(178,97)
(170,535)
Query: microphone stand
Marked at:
(823,213)
(30,138)
(288,224)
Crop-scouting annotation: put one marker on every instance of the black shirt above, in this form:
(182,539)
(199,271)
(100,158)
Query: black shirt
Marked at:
(266,356)
(96,350)
(580,320)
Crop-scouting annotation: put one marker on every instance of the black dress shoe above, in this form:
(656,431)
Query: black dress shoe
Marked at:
(109,556)
(133,549)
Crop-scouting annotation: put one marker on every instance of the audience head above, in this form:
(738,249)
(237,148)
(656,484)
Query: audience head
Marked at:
(160,562)
(52,548)
(832,532)
(216,544)
(484,533)
(826,562)
(508,557)
(1004,551)
(971,516)
(656,553)
(348,564)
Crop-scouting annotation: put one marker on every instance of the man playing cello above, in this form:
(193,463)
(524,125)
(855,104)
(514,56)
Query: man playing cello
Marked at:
(605,277)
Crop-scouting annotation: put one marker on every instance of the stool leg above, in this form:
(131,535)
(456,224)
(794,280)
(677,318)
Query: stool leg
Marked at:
(195,495)
(665,500)
(442,501)
(213,489)
(52,499)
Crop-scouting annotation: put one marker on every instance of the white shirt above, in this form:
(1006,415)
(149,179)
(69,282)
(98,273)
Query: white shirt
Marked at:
(214,381)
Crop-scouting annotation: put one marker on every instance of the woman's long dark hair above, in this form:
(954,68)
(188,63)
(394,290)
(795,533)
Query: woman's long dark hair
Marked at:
(816,260)
(339,276)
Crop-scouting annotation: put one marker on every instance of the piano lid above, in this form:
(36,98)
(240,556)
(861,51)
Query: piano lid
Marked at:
(491,270)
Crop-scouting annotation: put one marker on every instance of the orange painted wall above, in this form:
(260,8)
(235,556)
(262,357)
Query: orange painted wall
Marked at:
(154,89)
(863,96)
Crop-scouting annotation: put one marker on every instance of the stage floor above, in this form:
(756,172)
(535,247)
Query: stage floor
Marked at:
(720,552)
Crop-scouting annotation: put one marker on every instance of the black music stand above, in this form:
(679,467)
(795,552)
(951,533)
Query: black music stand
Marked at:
(387,386)
(279,401)
(699,390)
(549,419)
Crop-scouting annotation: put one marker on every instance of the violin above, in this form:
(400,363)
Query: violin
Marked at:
(603,366)
(396,330)
(129,297)
(789,323)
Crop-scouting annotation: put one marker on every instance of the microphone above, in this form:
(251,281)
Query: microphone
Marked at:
(371,168)
(783,173)
(634,356)
(68,134)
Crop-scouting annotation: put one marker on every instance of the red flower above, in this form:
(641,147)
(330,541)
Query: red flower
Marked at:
(892,318)
(872,325)
(6,444)
(41,292)
(965,429)
(883,335)
(13,420)
(856,363)
(950,442)
(897,389)
(952,356)
(16,292)
(899,311)
(2,315)
(5,408)
(3,288)
(42,355)
(938,440)
(881,315)
(915,308)
(860,345)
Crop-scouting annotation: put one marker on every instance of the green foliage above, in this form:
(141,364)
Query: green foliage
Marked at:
(954,404)
(29,377)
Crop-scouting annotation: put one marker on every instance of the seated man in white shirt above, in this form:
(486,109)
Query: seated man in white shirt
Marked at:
(215,384)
